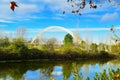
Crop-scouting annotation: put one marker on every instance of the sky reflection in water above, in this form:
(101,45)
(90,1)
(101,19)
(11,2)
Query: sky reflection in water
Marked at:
(44,70)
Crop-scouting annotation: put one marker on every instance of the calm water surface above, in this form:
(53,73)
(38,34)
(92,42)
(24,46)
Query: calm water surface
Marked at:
(59,70)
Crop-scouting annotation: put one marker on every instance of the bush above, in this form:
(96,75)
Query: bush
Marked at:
(4,42)
(18,47)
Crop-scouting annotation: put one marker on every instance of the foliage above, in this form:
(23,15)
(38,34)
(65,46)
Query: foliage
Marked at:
(4,42)
(68,40)
(94,47)
(18,46)
(50,44)
(115,49)
(78,5)
(16,49)
(102,46)
(83,44)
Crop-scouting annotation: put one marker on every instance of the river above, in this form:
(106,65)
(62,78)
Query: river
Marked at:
(54,69)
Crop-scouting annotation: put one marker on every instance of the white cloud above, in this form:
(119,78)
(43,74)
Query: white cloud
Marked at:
(4,1)
(109,17)
(57,18)
(28,9)
(92,16)
(23,11)
(5,21)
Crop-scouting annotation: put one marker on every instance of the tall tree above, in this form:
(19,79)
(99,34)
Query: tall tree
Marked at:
(21,31)
(50,44)
(68,40)
(94,47)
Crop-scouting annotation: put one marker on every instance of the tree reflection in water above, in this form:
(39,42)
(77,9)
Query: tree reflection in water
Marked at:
(70,70)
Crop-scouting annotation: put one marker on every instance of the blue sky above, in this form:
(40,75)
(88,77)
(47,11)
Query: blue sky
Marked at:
(35,15)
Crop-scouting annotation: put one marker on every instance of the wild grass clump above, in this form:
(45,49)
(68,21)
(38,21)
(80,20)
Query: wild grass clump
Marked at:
(111,75)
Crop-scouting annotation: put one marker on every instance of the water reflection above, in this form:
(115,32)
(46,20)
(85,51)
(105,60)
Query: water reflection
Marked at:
(59,70)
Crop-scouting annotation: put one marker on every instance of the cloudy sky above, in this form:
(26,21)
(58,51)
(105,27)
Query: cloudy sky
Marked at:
(36,15)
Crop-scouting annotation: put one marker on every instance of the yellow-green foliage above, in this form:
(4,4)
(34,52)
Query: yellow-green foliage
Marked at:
(116,49)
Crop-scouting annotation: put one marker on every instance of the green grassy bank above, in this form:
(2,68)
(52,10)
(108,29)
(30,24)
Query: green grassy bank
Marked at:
(19,49)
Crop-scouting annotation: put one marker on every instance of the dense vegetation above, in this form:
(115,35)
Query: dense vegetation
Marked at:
(20,49)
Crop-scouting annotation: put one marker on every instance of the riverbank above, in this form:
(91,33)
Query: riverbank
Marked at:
(19,49)
(31,54)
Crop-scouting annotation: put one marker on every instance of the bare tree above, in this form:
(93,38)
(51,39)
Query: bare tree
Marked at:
(50,44)
(2,33)
(20,32)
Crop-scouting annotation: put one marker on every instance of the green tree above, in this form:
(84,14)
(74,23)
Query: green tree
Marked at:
(19,47)
(83,44)
(94,47)
(4,42)
(68,40)
(102,46)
